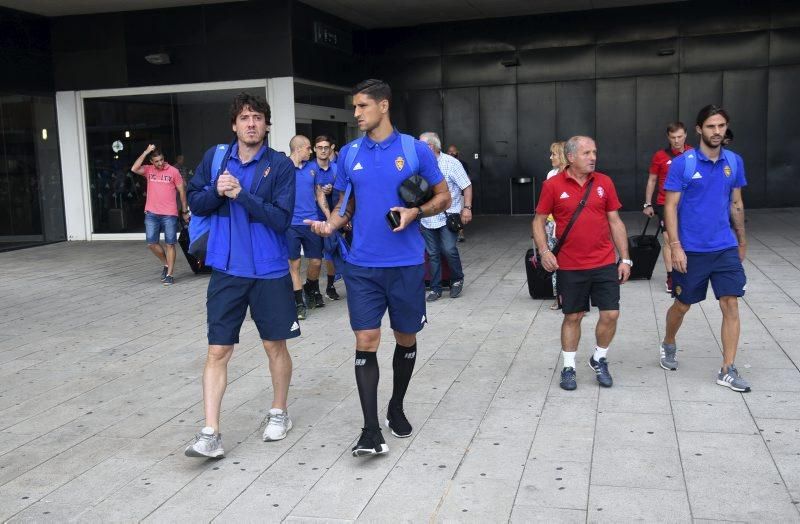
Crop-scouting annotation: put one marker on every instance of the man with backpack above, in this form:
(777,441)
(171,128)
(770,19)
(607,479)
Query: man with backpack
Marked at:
(384,266)
(248,201)
(659,166)
(704,214)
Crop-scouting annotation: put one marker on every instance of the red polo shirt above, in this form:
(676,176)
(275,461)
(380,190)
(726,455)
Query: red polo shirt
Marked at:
(659,165)
(589,244)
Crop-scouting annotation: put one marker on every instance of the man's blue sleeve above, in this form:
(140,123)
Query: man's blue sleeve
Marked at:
(202,196)
(341,177)
(741,180)
(428,166)
(674,180)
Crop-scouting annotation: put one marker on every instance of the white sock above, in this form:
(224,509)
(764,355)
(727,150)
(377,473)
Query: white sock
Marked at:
(600,353)
(569,359)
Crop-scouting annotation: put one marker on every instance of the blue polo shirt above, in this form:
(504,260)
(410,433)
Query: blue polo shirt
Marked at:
(325,177)
(241,255)
(305,197)
(377,171)
(704,208)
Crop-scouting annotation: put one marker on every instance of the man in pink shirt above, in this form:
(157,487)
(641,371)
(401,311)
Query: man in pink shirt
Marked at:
(161,209)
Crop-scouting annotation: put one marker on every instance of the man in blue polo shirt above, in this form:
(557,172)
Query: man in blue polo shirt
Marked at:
(704,216)
(299,234)
(384,267)
(249,207)
(326,177)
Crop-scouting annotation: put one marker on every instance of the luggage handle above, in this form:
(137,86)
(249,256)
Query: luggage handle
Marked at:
(646,224)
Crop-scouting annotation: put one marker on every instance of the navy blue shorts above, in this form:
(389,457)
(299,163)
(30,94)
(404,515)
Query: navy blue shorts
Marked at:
(297,236)
(271,302)
(722,268)
(371,290)
(154,224)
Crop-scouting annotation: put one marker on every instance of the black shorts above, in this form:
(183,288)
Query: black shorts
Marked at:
(659,211)
(576,287)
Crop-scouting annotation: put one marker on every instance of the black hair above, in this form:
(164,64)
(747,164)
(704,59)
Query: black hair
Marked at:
(154,153)
(375,89)
(322,138)
(675,126)
(709,111)
(254,102)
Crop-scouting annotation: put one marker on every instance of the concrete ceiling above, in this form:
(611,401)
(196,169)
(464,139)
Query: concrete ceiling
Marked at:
(365,13)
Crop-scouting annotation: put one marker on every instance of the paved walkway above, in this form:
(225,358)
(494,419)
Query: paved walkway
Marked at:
(100,391)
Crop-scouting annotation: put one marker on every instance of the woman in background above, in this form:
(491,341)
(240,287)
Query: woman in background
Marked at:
(559,162)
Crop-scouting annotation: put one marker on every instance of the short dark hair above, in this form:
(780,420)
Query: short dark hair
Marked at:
(322,138)
(709,111)
(375,89)
(728,134)
(154,153)
(254,102)
(675,126)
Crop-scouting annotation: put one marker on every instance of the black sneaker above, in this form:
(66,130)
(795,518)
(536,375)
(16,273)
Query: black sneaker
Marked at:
(370,443)
(301,311)
(168,280)
(568,379)
(332,293)
(397,422)
(164,273)
(317,300)
(601,369)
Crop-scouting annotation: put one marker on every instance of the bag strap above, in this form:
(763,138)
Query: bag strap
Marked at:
(352,151)
(410,152)
(572,220)
(217,162)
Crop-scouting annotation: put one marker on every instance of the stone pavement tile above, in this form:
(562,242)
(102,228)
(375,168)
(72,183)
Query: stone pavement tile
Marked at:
(696,380)
(140,423)
(478,500)
(566,428)
(10,441)
(501,458)
(46,511)
(635,466)
(773,404)
(621,399)
(432,381)
(523,514)
(554,483)
(37,482)
(627,373)
(615,504)
(713,417)
(715,465)
(636,429)
(310,520)
(422,474)
(783,441)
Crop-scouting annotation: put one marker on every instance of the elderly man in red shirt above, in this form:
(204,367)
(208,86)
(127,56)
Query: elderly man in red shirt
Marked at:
(587,261)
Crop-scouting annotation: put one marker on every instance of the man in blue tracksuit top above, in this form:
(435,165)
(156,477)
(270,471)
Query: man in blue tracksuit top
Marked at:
(704,216)
(249,205)
(384,268)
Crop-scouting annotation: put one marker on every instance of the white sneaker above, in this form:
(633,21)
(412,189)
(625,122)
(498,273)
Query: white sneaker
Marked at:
(206,444)
(278,425)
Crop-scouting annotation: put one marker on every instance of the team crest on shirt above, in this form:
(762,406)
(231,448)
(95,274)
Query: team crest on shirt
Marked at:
(313,173)
(601,192)
(399,162)
(727,170)
(678,290)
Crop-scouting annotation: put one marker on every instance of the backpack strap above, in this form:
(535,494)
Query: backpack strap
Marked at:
(688,168)
(220,154)
(347,168)
(410,152)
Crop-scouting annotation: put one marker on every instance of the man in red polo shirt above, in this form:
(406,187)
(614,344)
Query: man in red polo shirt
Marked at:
(587,261)
(659,166)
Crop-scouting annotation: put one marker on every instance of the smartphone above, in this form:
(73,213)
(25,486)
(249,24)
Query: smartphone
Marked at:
(393,218)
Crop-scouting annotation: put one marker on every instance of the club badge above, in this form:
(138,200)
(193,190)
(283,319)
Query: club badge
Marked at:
(601,192)
(399,162)
(678,290)
(727,170)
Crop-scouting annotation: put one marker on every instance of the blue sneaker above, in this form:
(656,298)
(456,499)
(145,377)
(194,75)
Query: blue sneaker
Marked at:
(732,380)
(568,379)
(164,273)
(168,280)
(601,369)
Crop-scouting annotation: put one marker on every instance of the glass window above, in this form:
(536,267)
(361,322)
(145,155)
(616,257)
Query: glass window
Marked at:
(118,129)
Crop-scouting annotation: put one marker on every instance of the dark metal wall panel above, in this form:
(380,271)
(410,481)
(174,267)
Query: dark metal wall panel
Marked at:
(575,109)
(616,136)
(745,99)
(478,36)
(498,116)
(783,138)
(536,129)
(410,73)
(425,113)
(477,70)
(731,51)
(639,23)
(784,46)
(557,30)
(696,91)
(656,107)
(462,128)
(637,58)
(558,63)
(724,16)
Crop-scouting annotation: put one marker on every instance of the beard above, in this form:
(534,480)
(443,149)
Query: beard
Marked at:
(708,141)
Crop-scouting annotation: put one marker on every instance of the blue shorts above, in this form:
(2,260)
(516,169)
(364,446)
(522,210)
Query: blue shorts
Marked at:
(154,224)
(722,268)
(371,290)
(302,235)
(271,302)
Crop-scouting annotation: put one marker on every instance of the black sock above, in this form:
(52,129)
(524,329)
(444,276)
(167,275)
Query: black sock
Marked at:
(331,278)
(403,366)
(312,285)
(298,296)
(367,375)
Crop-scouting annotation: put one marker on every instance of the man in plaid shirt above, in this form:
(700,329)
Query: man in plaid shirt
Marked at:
(439,239)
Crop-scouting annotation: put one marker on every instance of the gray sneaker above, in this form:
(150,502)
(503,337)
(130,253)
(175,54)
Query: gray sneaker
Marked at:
(278,425)
(669,359)
(456,288)
(732,380)
(206,444)
(433,296)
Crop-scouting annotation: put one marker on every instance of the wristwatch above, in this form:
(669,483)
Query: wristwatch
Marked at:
(627,261)
(468,207)
(419,213)
(647,205)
